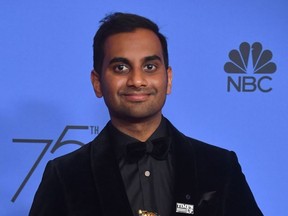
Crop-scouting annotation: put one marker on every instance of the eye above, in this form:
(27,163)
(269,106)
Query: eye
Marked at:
(150,67)
(121,68)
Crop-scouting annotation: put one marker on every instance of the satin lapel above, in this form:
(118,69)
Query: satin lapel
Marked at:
(107,177)
(185,170)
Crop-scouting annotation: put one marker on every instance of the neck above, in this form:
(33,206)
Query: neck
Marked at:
(141,129)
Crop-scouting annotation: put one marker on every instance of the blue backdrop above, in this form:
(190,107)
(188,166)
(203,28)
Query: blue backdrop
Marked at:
(229,88)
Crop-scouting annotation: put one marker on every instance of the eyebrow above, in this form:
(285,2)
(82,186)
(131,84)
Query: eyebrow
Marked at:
(126,61)
(152,58)
(119,59)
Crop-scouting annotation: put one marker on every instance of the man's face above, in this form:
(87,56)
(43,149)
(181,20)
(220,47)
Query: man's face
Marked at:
(134,81)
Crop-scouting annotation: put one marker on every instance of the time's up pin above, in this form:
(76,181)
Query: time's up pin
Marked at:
(184,208)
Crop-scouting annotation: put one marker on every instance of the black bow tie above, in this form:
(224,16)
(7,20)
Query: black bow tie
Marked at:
(157,148)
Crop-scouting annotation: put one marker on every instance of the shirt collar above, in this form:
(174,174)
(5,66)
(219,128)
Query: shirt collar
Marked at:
(120,140)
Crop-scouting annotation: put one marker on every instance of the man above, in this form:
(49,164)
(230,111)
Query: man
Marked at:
(140,163)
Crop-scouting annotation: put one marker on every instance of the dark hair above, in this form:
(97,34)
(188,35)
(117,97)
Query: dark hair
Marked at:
(118,23)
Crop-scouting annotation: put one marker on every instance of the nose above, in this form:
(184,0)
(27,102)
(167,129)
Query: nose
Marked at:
(137,79)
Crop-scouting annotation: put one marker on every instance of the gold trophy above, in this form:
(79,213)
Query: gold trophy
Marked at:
(146,213)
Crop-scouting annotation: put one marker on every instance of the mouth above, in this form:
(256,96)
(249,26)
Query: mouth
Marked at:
(140,95)
(137,97)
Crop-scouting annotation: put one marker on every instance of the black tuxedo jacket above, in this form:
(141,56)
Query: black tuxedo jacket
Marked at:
(88,182)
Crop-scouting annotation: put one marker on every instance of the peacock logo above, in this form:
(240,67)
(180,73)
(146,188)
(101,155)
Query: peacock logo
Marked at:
(249,59)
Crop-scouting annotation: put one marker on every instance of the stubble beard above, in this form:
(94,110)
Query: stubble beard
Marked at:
(137,112)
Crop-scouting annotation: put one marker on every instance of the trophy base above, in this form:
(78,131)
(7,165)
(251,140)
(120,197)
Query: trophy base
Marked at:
(146,213)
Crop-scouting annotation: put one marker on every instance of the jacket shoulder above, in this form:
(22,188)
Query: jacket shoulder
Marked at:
(81,156)
(211,156)
(207,149)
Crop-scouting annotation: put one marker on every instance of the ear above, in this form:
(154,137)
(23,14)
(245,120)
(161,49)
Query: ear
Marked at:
(96,83)
(169,80)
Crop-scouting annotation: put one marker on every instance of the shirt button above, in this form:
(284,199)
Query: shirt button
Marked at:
(147,173)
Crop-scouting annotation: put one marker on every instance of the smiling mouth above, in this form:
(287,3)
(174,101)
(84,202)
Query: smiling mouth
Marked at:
(137,97)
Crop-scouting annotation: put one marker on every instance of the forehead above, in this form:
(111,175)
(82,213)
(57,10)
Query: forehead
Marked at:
(135,44)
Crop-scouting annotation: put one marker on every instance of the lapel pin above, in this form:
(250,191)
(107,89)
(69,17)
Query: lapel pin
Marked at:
(184,208)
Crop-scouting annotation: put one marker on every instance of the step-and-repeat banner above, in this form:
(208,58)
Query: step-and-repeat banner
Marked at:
(230,86)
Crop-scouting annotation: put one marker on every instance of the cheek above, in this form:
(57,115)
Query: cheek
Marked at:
(163,85)
(111,85)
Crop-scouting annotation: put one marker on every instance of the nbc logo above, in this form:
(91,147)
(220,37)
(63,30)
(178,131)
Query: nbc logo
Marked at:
(249,60)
